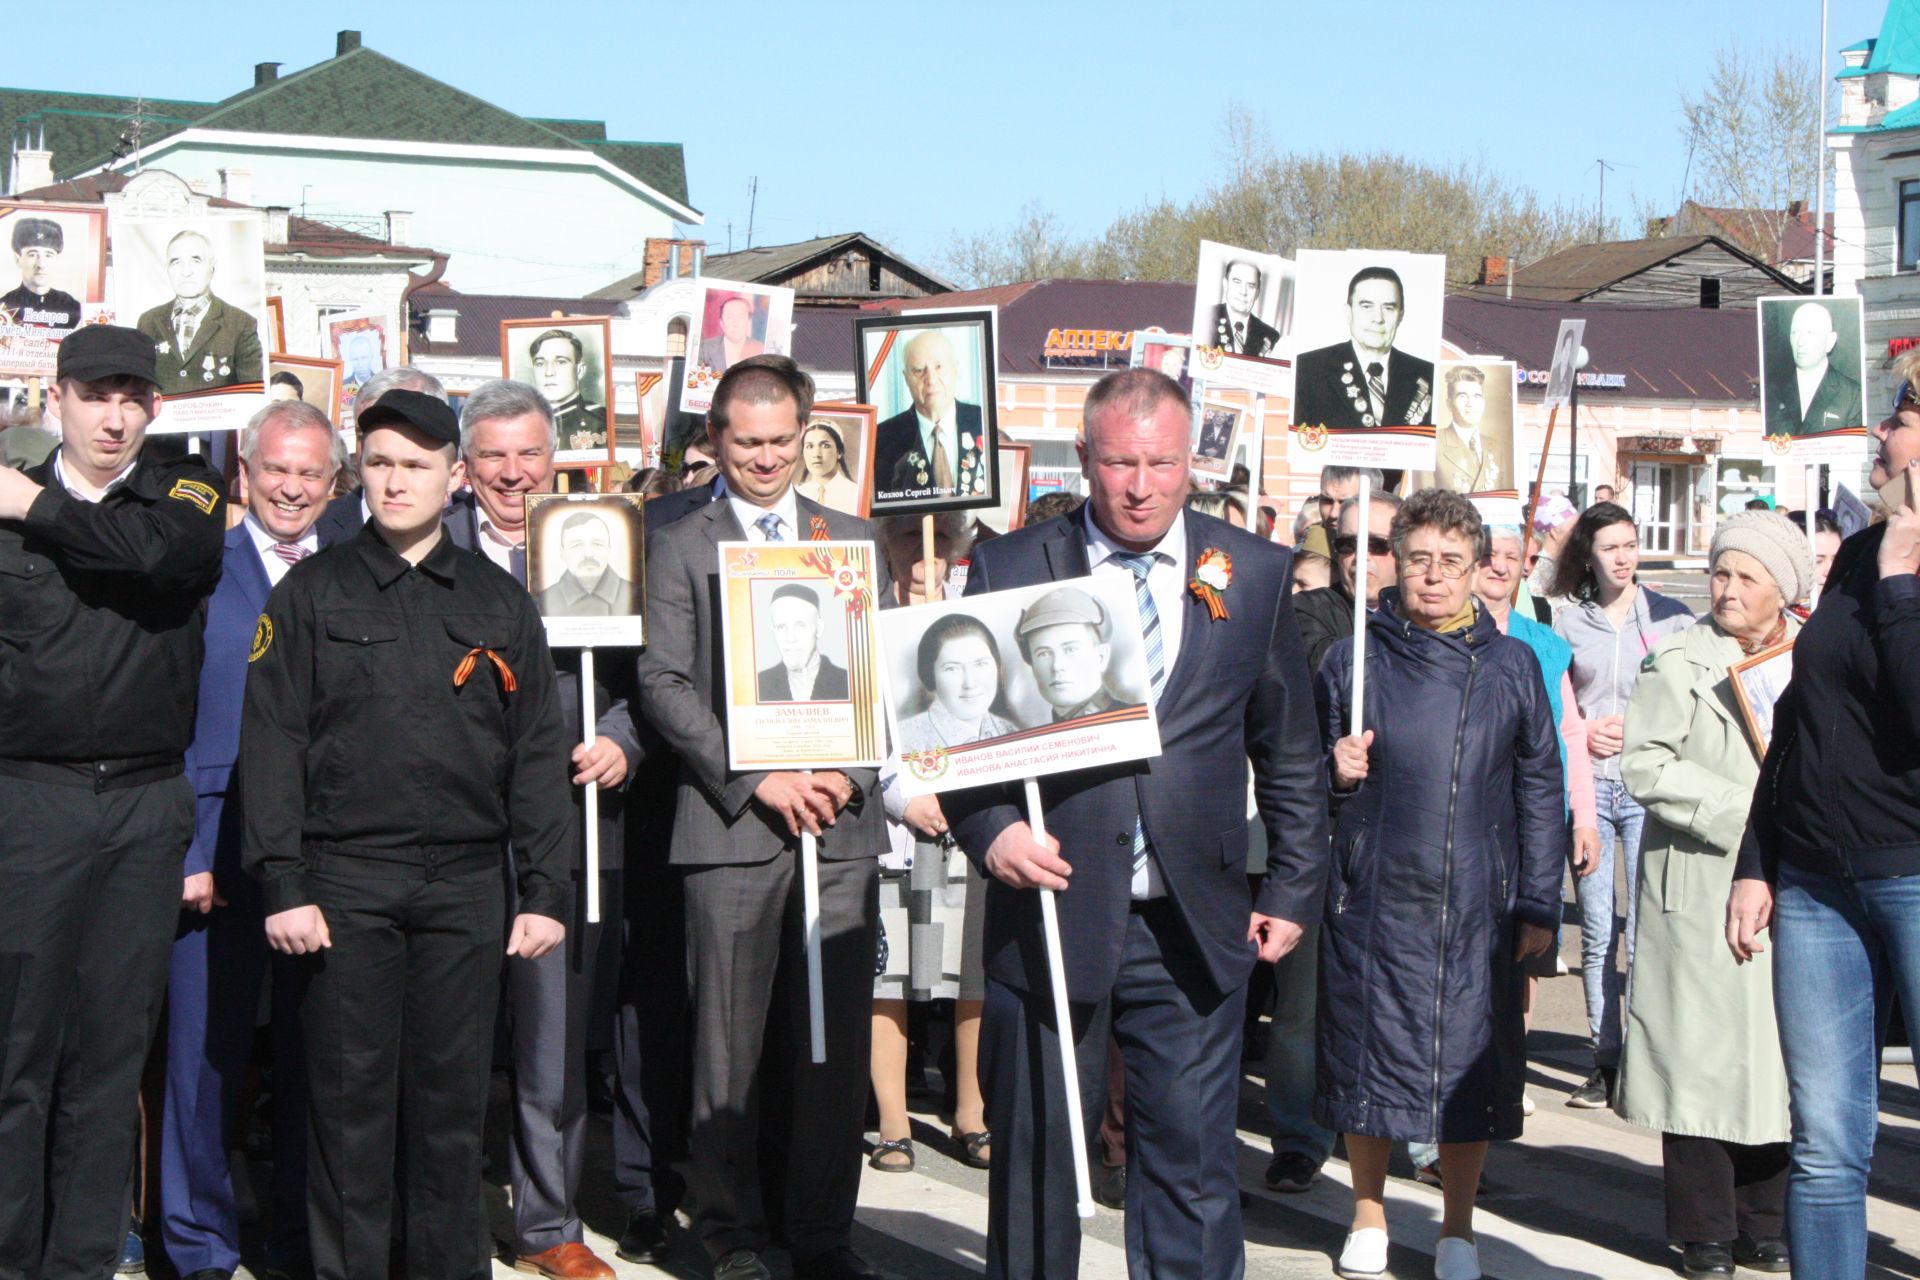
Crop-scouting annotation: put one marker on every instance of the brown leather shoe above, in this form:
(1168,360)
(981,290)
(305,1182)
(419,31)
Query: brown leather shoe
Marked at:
(570,1261)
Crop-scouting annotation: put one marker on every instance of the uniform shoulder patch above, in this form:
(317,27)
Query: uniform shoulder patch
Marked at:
(262,638)
(203,496)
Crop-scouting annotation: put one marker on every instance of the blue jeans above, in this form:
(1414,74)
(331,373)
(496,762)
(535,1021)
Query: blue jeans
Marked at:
(1290,1053)
(1620,822)
(1841,949)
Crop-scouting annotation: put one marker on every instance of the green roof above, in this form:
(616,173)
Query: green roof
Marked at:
(1897,48)
(90,124)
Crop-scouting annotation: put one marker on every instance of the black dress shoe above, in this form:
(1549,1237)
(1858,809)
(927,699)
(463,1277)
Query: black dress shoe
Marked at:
(1110,1185)
(741,1264)
(1705,1259)
(645,1239)
(1762,1255)
(836,1264)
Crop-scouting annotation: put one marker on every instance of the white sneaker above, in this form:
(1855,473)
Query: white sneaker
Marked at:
(1456,1259)
(1364,1255)
(1526,1104)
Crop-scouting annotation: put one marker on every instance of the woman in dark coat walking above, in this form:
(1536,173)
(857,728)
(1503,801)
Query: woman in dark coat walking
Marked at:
(1449,846)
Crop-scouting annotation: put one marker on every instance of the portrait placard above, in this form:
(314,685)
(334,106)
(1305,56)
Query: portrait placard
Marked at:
(566,359)
(277,328)
(1170,353)
(734,321)
(57,282)
(1242,311)
(1018,684)
(805,686)
(196,286)
(1566,355)
(1012,460)
(1473,437)
(1757,684)
(835,451)
(1367,329)
(650,394)
(359,341)
(1812,377)
(587,567)
(317,382)
(1216,433)
(930,375)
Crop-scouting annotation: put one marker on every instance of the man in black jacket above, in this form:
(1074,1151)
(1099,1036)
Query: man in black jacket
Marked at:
(1326,613)
(106,562)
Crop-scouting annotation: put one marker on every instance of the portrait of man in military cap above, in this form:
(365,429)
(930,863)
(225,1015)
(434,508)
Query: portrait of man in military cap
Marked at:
(1066,638)
(198,289)
(36,302)
(567,360)
(787,648)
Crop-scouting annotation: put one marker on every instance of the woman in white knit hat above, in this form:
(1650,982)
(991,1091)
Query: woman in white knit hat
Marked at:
(1701,1061)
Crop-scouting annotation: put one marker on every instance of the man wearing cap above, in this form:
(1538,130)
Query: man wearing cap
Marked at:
(803,674)
(1158,926)
(106,561)
(37,245)
(200,341)
(401,725)
(1066,639)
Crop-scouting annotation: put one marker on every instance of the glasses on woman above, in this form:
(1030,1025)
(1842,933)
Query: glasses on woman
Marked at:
(1423,564)
(1346,544)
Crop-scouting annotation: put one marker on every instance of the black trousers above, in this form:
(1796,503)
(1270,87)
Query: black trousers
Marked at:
(653,1033)
(89,895)
(1717,1190)
(398,1017)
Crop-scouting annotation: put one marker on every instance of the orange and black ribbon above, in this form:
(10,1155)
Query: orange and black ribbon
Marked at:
(465,669)
(818,527)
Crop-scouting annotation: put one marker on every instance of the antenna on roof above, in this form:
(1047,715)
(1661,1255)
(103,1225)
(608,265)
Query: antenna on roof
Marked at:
(753,198)
(134,135)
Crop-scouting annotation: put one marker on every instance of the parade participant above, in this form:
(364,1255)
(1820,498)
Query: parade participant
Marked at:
(290,452)
(1158,941)
(737,835)
(200,341)
(1326,613)
(106,561)
(1455,857)
(379,840)
(348,511)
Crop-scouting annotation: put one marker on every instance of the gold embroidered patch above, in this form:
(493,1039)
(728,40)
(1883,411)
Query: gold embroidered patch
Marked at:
(262,636)
(203,496)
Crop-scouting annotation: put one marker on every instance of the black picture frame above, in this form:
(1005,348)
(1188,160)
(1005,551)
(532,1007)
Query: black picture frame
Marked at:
(880,346)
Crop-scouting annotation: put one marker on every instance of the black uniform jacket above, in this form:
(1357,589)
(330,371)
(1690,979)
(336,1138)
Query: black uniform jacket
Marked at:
(101,610)
(403,714)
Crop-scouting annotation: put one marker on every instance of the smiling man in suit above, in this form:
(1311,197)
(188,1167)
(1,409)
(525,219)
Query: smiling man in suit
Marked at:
(200,343)
(759,1103)
(1159,927)
(1816,394)
(1366,381)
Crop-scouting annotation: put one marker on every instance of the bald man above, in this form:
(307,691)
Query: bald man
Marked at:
(934,449)
(200,343)
(1819,395)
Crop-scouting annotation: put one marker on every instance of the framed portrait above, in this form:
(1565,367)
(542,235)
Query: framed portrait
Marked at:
(1757,684)
(1011,462)
(1566,358)
(1170,353)
(567,359)
(587,567)
(1014,684)
(1473,436)
(1243,304)
(1813,376)
(196,286)
(276,325)
(802,655)
(54,279)
(835,451)
(734,321)
(930,376)
(1216,436)
(360,342)
(315,381)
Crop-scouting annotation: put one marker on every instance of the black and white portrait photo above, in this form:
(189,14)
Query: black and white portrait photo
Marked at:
(58,255)
(1242,301)
(586,566)
(197,287)
(794,647)
(566,360)
(1565,363)
(930,378)
(1368,330)
(1811,365)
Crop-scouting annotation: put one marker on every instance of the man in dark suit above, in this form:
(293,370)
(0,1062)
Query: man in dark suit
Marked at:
(1233,326)
(1159,927)
(1366,381)
(735,341)
(759,1103)
(290,452)
(200,342)
(1815,394)
(35,303)
(934,449)
(803,674)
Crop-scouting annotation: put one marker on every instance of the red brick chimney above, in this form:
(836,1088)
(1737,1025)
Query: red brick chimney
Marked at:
(668,259)
(1493,271)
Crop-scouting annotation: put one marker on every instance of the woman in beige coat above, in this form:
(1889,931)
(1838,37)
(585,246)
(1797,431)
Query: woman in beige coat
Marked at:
(1701,1061)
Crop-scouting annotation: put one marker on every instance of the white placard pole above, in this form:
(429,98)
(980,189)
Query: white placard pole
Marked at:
(1062,1018)
(1813,543)
(588,720)
(810,902)
(193,445)
(1359,608)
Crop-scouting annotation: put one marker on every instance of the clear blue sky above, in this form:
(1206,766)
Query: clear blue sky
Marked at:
(915,119)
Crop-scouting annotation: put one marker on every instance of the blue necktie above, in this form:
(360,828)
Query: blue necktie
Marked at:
(769,524)
(1141,563)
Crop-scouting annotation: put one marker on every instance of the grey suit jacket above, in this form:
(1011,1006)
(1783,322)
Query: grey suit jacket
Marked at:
(683,696)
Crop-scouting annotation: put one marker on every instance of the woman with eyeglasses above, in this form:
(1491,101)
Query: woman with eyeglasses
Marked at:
(1448,847)
(1830,863)
(1613,623)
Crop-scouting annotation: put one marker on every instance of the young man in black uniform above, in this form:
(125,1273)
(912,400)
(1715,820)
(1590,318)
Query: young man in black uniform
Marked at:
(401,726)
(106,562)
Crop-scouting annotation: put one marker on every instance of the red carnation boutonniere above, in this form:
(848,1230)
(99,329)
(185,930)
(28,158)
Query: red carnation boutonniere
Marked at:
(1211,578)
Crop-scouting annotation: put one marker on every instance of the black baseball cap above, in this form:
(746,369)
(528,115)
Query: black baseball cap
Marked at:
(96,351)
(429,415)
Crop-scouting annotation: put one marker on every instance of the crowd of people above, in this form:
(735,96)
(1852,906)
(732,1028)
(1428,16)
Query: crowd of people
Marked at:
(326,755)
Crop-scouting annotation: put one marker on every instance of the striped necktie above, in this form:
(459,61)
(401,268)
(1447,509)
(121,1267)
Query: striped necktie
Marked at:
(769,524)
(1377,390)
(292,552)
(1141,563)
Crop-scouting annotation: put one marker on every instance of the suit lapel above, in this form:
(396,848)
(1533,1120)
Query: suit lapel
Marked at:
(1196,627)
(244,560)
(1067,550)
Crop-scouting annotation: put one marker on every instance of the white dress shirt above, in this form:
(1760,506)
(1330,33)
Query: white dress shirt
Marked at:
(269,558)
(788,509)
(1165,583)
(497,546)
(60,474)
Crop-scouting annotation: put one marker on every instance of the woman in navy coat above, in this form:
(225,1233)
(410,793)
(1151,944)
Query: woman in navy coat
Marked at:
(1448,848)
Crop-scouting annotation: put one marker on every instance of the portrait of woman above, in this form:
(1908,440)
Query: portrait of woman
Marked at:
(959,667)
(824,475)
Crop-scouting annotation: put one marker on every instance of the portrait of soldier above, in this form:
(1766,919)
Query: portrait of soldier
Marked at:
(35,303)
(934,448)
(589,586)
(556,356)
(1808,390)
(1366,381)
(1469,448)
(1066,640)
(200,341)
(1234,326)
(802,673)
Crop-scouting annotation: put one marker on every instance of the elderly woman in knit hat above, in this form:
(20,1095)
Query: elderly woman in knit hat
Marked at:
(1701,1061)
